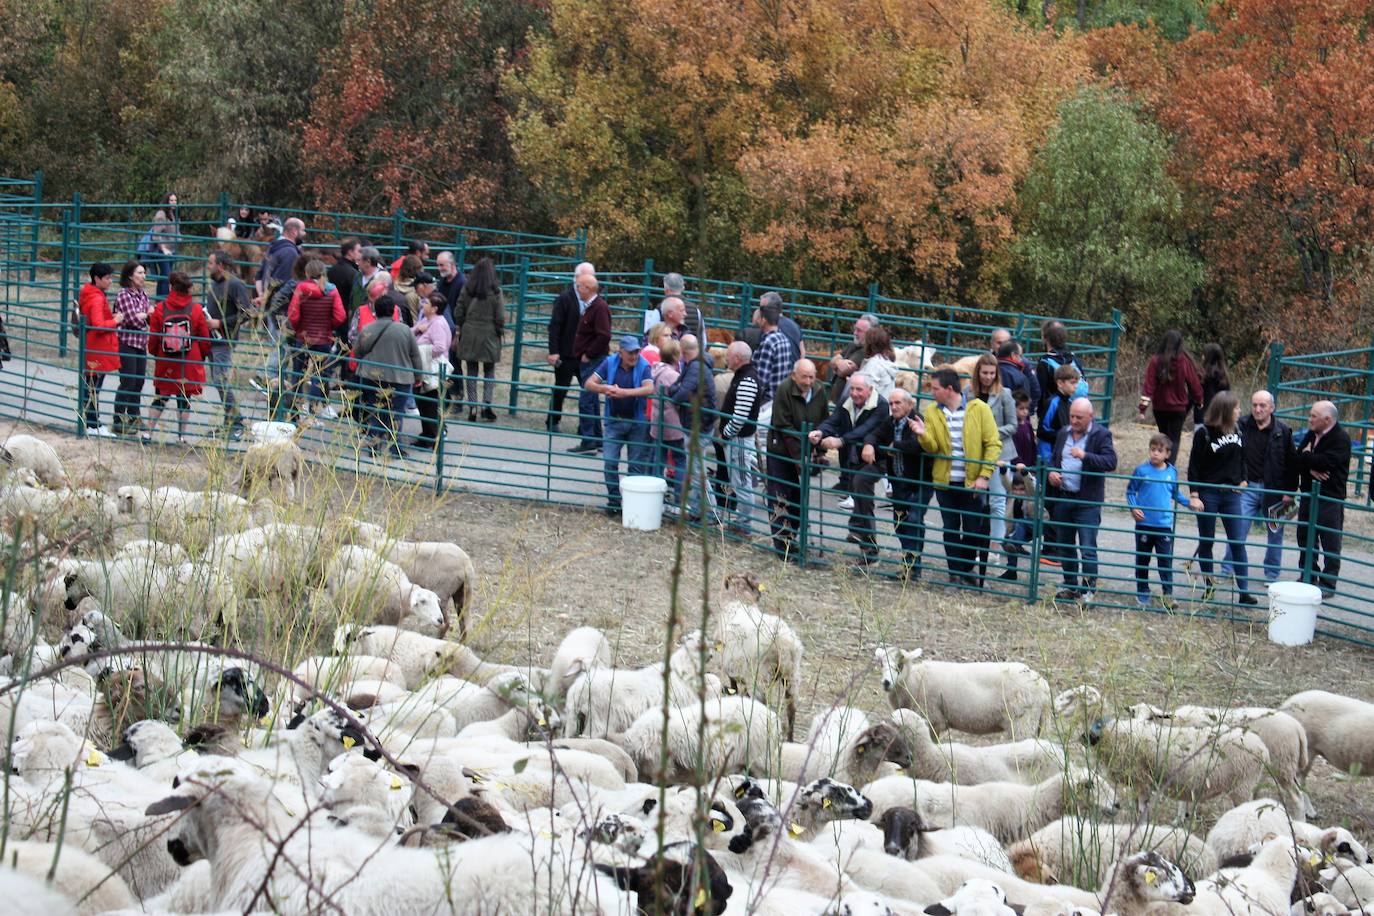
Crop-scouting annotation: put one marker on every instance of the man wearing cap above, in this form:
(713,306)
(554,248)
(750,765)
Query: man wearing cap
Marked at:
(626,380)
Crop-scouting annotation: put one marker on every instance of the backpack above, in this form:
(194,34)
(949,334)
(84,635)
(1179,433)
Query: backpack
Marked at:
(176,333)
(1081,389)
(1044,442)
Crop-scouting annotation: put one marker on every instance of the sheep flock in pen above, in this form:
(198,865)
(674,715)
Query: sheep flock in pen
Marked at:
(383,766)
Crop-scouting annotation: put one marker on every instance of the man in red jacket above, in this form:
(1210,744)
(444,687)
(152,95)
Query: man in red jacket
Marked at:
(591,345)
(102,344)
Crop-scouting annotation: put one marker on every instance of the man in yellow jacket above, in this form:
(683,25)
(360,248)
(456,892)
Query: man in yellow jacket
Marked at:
(963,437)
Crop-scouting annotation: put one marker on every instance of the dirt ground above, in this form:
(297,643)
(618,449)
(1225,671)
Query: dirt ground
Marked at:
(544,570)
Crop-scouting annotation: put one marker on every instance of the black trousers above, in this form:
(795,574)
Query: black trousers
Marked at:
(909,502)
(964,515)
(784,484)
(563,375)
(1324,556)
(1170,423)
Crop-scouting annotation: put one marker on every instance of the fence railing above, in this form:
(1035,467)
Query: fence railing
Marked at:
(1344,377)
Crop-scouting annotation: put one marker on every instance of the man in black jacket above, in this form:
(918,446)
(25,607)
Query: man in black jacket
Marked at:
(1269,466)
(1323,458)
(799,405)
(562,331)
(343,273)
(853,429)
(906,466)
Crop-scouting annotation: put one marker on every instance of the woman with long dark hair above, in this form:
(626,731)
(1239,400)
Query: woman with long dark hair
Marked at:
(1216,474)
(131,310)
(480,317)
(159,248)
(1171,387)
(1215,378)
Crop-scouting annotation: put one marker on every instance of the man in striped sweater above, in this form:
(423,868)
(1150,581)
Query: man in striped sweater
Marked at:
(738,424)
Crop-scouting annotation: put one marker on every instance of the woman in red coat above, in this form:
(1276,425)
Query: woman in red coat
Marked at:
(102,344)
(178,339)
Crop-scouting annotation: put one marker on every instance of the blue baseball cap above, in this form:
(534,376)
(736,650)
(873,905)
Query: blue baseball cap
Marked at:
(630,343)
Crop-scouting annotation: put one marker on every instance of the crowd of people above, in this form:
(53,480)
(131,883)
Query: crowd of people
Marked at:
(978,448)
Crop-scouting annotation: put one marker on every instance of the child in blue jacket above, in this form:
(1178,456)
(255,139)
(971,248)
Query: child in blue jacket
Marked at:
(1151,494)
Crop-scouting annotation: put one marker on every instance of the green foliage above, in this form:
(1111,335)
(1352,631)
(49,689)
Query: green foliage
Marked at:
(1175,19)
(1098,214)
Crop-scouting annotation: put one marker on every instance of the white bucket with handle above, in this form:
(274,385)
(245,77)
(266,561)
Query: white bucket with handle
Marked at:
(642,502)
(1293,610)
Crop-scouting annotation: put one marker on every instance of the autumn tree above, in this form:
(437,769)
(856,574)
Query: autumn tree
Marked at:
(1100,219)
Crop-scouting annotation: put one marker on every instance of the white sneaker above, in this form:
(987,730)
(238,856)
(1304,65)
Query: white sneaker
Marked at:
(412,411)
(847,503)
(101,432)
(329,413)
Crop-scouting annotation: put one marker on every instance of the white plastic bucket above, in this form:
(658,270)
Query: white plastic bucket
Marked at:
(642,502)
(1293,612)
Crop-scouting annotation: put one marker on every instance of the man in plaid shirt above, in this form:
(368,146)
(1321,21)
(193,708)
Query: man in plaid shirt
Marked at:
(773,361)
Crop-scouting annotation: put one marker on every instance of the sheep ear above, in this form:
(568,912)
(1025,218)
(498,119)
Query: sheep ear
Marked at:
(938,909)
(914,654)
(169,804)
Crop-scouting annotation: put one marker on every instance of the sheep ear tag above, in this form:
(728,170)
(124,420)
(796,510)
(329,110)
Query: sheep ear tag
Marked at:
(717,825)
(701,899)
(396,784)
(93,758)
(796,829)
(762,588)
(348,742)
(1151,877)
(825,803)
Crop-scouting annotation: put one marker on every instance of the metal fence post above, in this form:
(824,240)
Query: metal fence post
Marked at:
(37,214)
(223,207)
(439,433)
(398,220)
(1037,535)
(1110,393)
(580,244)
(1309,536)
(804,503)
(1365,414)
(1275,372)
(81,393)
(67,321)
(873,296)
(645,295)
(519,348)
(746,308)
(460,256)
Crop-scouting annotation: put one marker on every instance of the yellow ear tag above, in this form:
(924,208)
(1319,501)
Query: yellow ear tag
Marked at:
(542,723)
(1314,860)
(1150,877)
(701,899)
(348,742)
(93,759)
(860,749)
(797,829)
(741,791)
(762,588)
(717,825)
(825,803)
(545,835)
(396,783)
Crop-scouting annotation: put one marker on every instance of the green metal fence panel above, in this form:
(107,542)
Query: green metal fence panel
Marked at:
(1344,377)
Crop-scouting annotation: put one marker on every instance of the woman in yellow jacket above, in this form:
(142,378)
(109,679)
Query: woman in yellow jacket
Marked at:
(964,436)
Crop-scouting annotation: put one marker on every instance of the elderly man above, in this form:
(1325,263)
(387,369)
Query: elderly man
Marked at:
(962,435)
(847,360)
(626,379)
(998,337)
(691,321)
(798,408)
(853,429)
(695,394)
(1323,460)
(738,424)
(908,470)
(451,281)
(1269,467)
(1083,452)
(591,345)
(563,319)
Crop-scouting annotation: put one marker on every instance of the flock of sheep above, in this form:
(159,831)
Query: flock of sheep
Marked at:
(151,768)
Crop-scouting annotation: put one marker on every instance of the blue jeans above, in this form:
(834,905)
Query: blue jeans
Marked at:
(633,435)
(221,365)
(1075,521)
(1224,501)
(1252,506)
(1160,542)
(387,405)
(588,405)
(743,460)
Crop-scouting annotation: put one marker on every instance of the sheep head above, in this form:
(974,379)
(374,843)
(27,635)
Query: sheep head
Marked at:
(884,742)
(240,695)
(1156,879)
(425,614)
(829,799)
(900,826)
(130,500)
(744,586)
(216,793)
(975,896)
(1339,843)
(1081,699)
(148,740)
(893,662)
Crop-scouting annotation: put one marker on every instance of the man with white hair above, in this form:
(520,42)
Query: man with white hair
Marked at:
(738,423)
(853,430)
(1268,446)
(451,281)
(798,407)
(689,321)
(694,393)
(848,358)
(1083,452)
(567,309)
(1323,461)
(902,459)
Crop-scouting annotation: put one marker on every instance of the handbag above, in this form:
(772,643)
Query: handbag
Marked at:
(429,373)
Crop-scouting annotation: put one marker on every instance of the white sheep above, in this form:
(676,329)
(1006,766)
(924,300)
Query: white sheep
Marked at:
(906,836)
(76,875)
(357,577)
(187,517)
(1028,761)
(270,466)
(154,750)
(1143,882)
(337,675)
(1057,850)
(354,782)
(603,701)
(418,656)
(164,552)
(581,650)
(1243,827)
(27,895)
(1339,728)
(757,650)
(1009,811)
(23,451)
(980,698)
(439,566)
(1352,885)
(714,736)
(1262,887)
(857,759)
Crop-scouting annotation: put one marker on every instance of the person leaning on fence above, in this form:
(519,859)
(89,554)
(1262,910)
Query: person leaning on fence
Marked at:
(1151,493)
(315,311)
(1271,474)
(625,379)
(853,430)
(1216,476)
(131,310)
(694,393)
(962,435)
(908,468)
(562,355)
(738,429)
(986,386)
(158,247)
(1172,387)
(1083,452)
(433,335)
(179,340)
(845,361)
(389,360)
(799,406)
(102,344)
(227,301)
(481,321)
(591,346)
(1323,459)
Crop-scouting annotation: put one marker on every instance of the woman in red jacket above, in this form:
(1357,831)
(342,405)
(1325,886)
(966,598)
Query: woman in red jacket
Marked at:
(178,339)
(102,344)
(1172,387)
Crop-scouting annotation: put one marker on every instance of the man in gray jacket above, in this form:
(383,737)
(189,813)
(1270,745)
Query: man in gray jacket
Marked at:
(389,362)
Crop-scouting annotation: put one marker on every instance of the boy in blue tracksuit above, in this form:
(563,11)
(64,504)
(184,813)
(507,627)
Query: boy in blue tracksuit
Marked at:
(1151,494)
